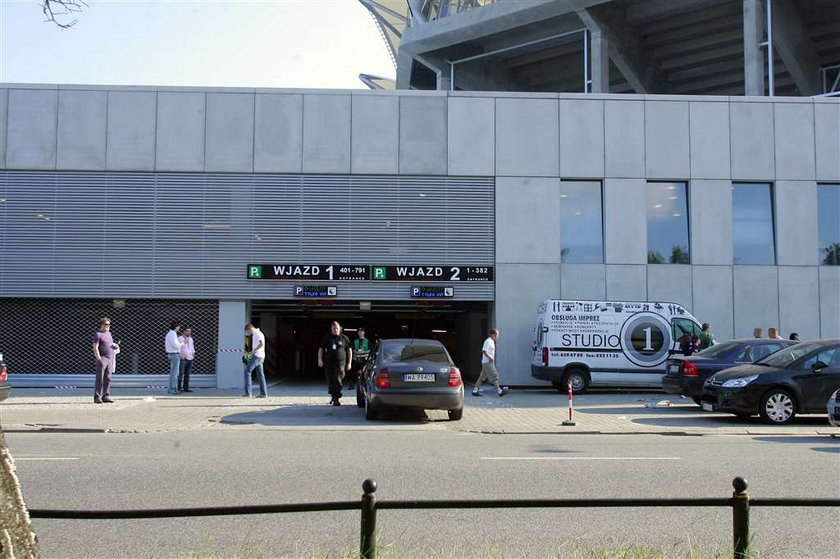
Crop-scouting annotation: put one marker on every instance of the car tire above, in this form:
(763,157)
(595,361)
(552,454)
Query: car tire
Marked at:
(580,381)
(697,400)
(371,412)
(456,415)
(777,407)
(360,398)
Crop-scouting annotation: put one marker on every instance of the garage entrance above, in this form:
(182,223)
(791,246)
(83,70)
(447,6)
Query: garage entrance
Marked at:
(293,330)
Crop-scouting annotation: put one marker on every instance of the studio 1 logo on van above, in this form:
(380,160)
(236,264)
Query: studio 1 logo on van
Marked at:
(646,339)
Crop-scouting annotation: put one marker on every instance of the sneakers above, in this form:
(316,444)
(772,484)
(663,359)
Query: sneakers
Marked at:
(107,400)
(477,393)
(503,391)
(258,396)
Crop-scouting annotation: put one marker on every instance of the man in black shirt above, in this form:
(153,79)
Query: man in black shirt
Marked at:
(335,355)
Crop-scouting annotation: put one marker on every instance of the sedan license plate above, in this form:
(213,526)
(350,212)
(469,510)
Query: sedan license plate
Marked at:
(419,377)
(708,407)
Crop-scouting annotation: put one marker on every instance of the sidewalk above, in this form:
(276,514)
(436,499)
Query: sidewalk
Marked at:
(304,406)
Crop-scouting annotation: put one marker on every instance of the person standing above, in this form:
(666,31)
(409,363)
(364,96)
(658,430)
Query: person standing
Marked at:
(187,357)
(794,336)
(173,345)
(757,333)
(105,352)
(773,334)
(335,356)
(489,373)
(255,363)
(707,339)
(361,351)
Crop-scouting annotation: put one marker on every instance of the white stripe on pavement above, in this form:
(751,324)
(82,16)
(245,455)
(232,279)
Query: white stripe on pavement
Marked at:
(579,458)
(33,458)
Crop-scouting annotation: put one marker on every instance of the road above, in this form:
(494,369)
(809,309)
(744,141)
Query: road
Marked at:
(202,468)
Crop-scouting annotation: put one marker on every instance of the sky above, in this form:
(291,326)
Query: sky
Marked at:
(233,43)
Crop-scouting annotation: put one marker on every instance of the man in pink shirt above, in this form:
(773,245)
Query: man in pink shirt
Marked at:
(187,356)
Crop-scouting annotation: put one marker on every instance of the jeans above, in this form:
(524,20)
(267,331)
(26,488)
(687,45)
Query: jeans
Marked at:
(255,363)
(335,378)
(184,374)
(104,370)
(174,367)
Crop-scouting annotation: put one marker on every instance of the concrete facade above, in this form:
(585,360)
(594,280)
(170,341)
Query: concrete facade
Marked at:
(530,143)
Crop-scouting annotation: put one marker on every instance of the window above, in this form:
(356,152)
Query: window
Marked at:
(667,223)
(753,238)
(581,223)
(683,326)
(828,219)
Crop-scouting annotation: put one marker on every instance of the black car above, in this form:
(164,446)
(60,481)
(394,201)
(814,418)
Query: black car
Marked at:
(686,374)
(410,374)
(796,379)
(5,388)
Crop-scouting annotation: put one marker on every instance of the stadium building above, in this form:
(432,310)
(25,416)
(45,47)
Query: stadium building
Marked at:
(613,150)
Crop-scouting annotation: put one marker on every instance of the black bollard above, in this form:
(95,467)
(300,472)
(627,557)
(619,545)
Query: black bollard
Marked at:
(741,518)
(368,538)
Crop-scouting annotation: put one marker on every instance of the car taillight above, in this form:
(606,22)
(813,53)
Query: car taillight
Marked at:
(690,369)
(3,373)
(545,356)
(454,377)
(382,378)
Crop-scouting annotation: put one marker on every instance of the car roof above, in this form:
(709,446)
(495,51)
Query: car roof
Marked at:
(761,341)
(411,340)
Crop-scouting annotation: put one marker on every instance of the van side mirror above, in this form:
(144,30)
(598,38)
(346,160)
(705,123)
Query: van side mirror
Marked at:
(818,366)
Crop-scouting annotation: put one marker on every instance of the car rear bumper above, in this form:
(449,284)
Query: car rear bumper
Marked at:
(419,399)
(681,385)
(4,391)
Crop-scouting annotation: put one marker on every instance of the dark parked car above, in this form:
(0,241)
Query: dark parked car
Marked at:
(4,381)
(686,375)
(796,379)
(410,374)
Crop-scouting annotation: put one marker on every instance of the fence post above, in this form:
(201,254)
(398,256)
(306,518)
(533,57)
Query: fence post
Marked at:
(368,539)
(741,518)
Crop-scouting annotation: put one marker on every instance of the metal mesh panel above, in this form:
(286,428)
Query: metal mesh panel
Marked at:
(53,336)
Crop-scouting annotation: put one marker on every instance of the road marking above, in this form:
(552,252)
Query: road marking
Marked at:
(622,458)
(45,458)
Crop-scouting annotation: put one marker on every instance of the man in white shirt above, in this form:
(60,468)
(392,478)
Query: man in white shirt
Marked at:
(187,357)
(488,366)
(173,354)
(255,362)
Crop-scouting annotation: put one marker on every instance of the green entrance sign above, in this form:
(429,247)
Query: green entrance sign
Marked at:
(380,272)
(254,272)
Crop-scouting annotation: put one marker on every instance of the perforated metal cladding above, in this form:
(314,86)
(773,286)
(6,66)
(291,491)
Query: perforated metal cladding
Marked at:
(75,234)
(54,336)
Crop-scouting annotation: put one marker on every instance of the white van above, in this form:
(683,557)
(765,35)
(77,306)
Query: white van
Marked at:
(599,343)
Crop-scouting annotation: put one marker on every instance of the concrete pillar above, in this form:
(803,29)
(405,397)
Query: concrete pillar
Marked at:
(753,54)
(233,316)
(599,56)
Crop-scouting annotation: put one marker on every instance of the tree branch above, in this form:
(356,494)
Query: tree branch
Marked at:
(59,11)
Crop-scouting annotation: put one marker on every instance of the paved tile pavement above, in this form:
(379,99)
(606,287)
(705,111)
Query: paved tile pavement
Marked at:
(294,406)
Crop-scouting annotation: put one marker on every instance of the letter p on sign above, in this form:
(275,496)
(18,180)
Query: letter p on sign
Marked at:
(254,272)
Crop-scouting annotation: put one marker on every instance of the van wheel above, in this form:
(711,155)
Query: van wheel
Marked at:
(777,407)
(579,379)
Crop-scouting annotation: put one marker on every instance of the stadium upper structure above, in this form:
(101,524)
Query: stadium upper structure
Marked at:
(681,47)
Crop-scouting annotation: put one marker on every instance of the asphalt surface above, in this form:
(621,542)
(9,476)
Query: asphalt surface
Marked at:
(209,468)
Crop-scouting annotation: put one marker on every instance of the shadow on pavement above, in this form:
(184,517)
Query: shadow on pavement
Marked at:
(314,415)
(710,421)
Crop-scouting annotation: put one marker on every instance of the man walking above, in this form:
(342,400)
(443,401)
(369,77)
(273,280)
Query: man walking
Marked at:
(488,366)
(105,352)
(187,357)
(255,363)
(707,339)
(757,333)
(773,334)
(335,355)
(361,351)
(173,345)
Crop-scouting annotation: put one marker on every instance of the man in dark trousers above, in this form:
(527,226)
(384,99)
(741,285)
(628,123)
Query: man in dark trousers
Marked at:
(105,352)
(335,355)
(361,351)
